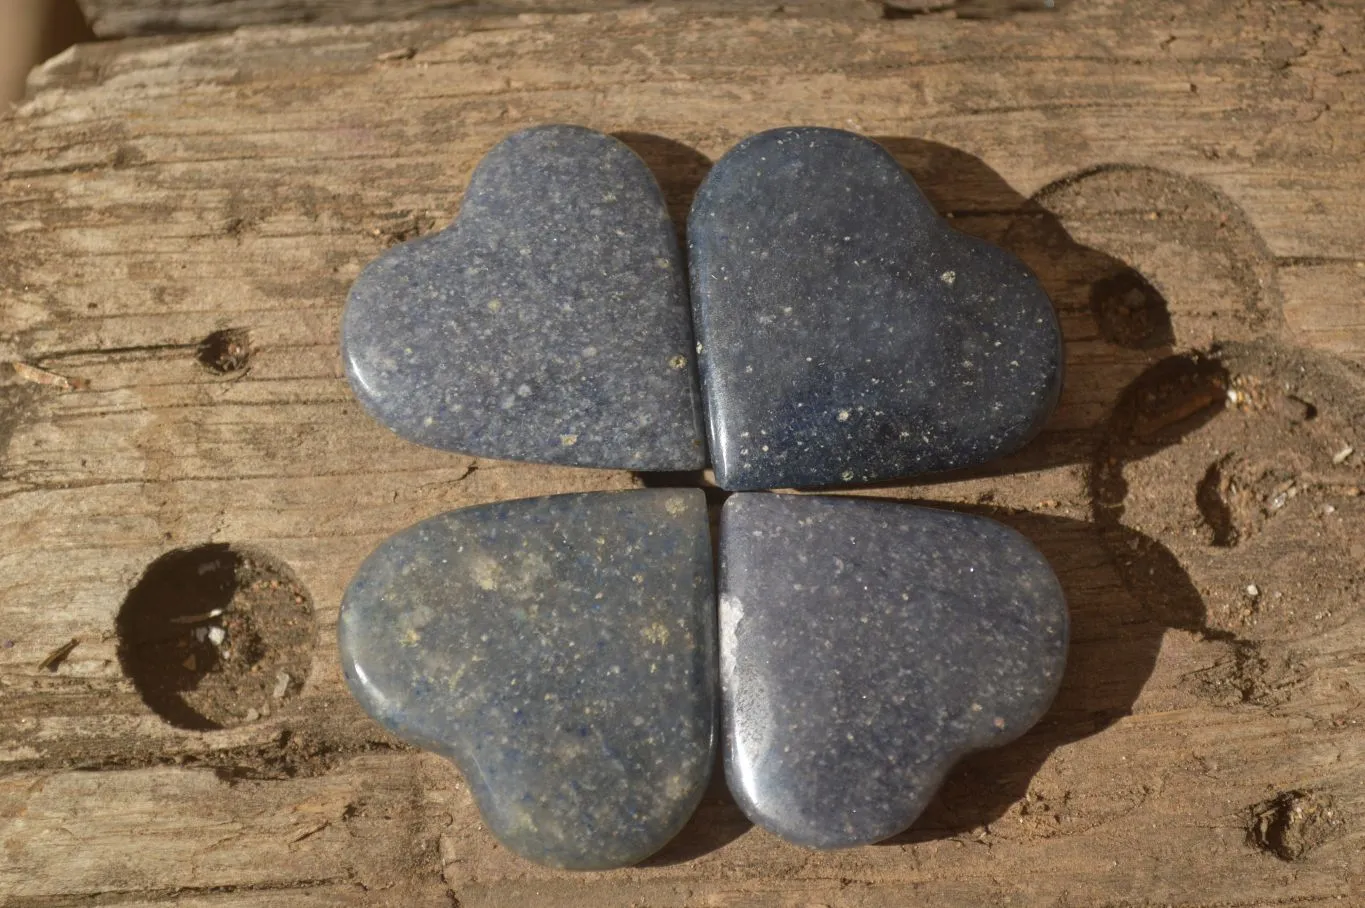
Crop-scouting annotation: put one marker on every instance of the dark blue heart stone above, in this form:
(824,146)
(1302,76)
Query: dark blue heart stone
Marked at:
(561,651)
(865,647)
(549,323)
(848,335)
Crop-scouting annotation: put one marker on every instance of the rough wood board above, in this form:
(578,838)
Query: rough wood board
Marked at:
(156,191)
(125,18)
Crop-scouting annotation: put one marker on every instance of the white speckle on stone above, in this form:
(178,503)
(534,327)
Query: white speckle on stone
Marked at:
(282,681)
(948,277)
(843,416)
(523,390)
(217,635)
(568,441)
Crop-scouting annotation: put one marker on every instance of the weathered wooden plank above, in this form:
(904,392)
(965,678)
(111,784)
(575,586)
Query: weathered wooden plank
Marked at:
(1206,156)
(155,834)
(125,18)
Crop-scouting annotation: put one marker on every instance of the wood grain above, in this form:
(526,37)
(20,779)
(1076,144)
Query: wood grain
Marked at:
(126,18)
(157,190)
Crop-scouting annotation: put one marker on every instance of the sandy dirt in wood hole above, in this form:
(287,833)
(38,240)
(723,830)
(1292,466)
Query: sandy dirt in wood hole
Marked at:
(1258,502)
(215,636)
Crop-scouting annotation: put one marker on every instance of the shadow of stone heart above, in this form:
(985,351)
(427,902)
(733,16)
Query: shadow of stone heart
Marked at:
(678,168)
(1126,310)
(1115,323)
(1115,639)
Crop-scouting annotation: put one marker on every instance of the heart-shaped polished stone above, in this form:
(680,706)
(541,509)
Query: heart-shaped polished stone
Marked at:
(847,334)
(865,647)
(561,651)
(549,323)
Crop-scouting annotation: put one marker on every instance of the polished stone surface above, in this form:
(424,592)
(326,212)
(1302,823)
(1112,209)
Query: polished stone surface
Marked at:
(561,651)
(847,334)
(549,323)
(865,647)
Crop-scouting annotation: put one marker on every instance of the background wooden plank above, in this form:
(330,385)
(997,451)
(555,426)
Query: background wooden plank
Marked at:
(1207,156)
(125,18)
(157,833)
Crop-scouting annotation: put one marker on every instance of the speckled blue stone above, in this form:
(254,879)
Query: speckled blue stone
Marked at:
(561,651)
(847,334)
(865,647)
(549,323)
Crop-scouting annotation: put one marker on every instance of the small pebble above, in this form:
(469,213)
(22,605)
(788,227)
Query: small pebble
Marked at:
(281,685)
(1253,590)
(1340,456)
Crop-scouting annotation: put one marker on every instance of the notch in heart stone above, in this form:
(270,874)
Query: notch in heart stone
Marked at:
(847,334)
(549,323)
(561,651)
(865,647)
